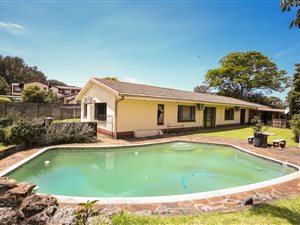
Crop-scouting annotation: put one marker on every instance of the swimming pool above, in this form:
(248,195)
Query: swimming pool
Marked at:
(166,169)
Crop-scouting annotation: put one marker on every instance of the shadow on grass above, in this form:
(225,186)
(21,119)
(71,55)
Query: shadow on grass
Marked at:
(293,217)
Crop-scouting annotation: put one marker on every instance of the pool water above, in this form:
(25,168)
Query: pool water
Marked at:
(153,170)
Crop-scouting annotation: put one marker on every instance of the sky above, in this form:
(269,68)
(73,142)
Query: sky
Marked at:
(164,43)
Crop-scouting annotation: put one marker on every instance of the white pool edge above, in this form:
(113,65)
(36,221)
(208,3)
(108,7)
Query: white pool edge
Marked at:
(169,198)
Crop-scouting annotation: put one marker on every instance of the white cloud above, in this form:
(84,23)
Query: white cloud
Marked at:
(132,80)
(287,51)
(12,27)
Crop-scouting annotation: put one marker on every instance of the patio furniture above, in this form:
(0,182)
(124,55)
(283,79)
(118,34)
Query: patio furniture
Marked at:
(250,139)
(279,143)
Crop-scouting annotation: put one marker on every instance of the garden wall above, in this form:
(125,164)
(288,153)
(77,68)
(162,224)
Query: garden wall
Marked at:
(36,110)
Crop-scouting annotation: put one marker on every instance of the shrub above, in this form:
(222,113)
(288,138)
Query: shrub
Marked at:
(33,94)
(25,132)
(5,122)
(257,125)
(295,125)
(4,99)
(63,133)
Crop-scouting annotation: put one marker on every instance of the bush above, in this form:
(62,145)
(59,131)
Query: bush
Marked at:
(5,122)
(257,125)
(4,99)
(295,125)
(33,94)
(25,132)
(63,133)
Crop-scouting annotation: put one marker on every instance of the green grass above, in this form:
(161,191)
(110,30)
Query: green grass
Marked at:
(2,146)
(243,133)
(282,212)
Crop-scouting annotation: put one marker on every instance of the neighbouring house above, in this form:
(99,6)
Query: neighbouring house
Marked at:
(124,109)
(66,94)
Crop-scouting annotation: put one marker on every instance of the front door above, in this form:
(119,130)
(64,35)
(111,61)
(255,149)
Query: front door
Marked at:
(209,119)
(242,119)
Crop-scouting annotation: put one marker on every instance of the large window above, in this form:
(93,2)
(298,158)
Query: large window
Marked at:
(100,111)
(186,113)
(229,114)
(160,114)
(84,110)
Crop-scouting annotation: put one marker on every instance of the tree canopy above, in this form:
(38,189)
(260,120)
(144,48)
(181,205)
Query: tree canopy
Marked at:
(33,94)
(294,94)
(3,86)
(14,69)
(287,5)
(202,88)
(244,73)
(56,83)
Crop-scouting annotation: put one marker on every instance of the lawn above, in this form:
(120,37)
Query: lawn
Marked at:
(285,211)
(2,146)
(243,133)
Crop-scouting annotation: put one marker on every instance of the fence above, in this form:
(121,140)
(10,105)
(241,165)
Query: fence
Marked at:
(37,110)
(281,123)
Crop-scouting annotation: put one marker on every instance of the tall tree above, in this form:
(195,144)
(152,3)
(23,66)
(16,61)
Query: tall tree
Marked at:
(56,83)
(294,94)
(3,86)
(244,73)
(202,89)
(14,69)
(287,5)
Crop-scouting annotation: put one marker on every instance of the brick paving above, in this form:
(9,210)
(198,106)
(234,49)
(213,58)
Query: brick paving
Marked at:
(222,203)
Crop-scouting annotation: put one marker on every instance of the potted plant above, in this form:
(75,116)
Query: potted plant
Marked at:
(260,139)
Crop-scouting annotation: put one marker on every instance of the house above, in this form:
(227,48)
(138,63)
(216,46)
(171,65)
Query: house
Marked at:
(65,93)
(125,109)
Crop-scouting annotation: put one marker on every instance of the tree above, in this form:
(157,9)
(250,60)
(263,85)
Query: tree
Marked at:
(52,98)
(3,86)
(286,5)
(271,101)
(202,89)
(244,73)
(33,94)
(111,78)
(14,70)
(294,94)
(56,83)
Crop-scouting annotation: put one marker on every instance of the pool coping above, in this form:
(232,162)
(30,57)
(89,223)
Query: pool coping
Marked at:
(168,198)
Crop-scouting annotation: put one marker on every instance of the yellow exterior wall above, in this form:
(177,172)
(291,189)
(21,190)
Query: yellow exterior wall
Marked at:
(40,85)
(99,95)
(139,114)
(134,114)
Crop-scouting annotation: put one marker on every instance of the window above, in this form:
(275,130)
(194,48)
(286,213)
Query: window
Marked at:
(160,114)
(229,114)
(84,110)
(186,113)
(100,111)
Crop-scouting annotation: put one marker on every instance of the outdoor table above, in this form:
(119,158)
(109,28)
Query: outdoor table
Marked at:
(265,141)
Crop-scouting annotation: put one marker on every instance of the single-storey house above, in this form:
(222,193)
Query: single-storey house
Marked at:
(125,109)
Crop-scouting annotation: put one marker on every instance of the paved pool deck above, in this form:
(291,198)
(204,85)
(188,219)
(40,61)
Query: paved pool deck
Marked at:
(229,202)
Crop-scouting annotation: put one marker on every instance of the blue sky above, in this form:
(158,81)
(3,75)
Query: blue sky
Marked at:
(164,43)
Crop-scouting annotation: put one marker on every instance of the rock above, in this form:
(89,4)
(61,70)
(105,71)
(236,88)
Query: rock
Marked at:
(38,219)
(22,190)
(163,210)
(206,208)
(51,211)
(35,204)
(9,201)
(8,216)
(143,213)
(110,211)
(246,201)
(6,184)
(64,216)
(182,211)
(262,197)
(99,220)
